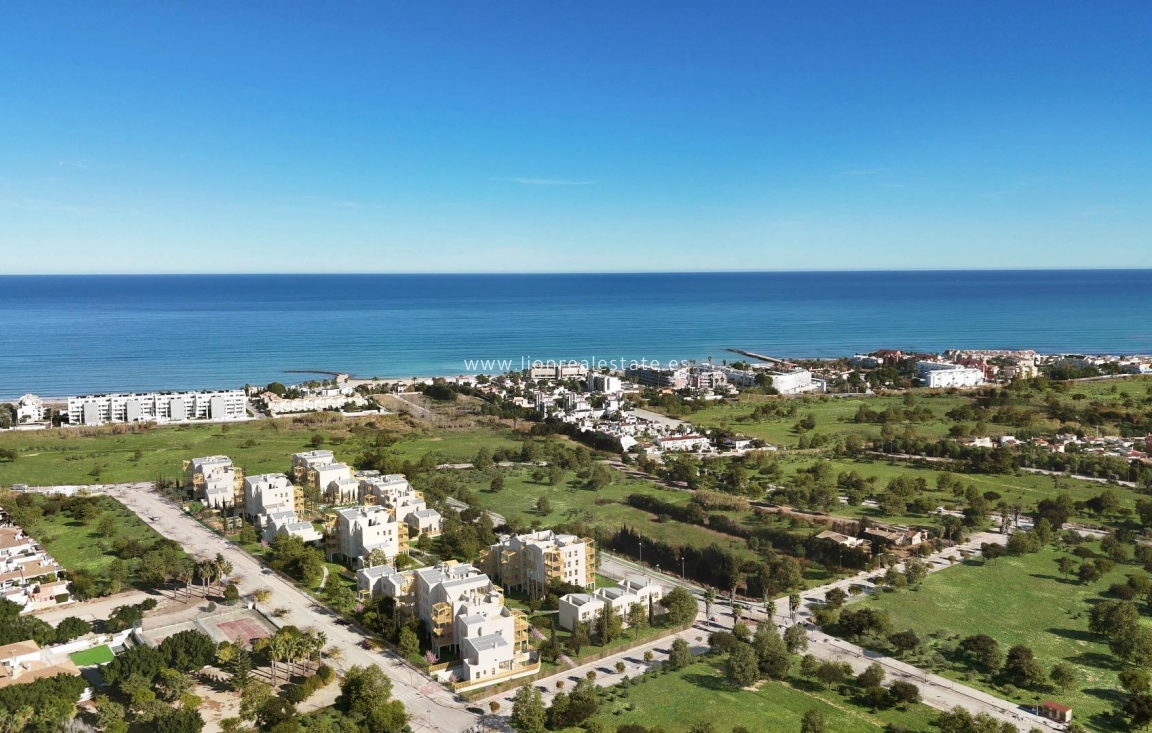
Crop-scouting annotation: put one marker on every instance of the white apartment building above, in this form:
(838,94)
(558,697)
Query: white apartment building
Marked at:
(605,383)
(286,522)
(343,491)
(939,374)
(558,371)
(532,561)
(407,504)
(29,409)
(312,403)
(795,381)
(694,443)
(267,494)
(161,407)
(587,607)
(29,576)
(319,468)
(214,480)
(360,530)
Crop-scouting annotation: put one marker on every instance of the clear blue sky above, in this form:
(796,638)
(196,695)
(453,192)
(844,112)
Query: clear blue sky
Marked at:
(574,136)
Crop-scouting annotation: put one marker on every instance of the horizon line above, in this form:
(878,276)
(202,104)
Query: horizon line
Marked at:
(522,273)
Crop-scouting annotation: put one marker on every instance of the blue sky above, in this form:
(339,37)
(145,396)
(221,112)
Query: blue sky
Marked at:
(592,136)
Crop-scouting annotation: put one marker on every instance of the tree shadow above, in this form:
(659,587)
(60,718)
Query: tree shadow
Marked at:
(709,682)
(1074,634)
(1056,578)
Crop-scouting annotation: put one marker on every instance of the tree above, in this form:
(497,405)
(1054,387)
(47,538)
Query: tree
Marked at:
(110,715)
(915,570)
(172,684)
(1138,710)
(1088,573)
(409,644)
(1066,565)
(528,714)
(637,618)
(497,484)
(365,693)
(1022,669)
(1063,675)
(904,692)
(832,674)
(904,641)
(1133,645)
(483,459)
(1135,681)
(681,606)
(72,628)
(813,722)
(181,720)
(375,558)
(1111,618)
(981,650)
(873,676)
(742,667)
(188,651)
(795,639)
(543,506)
(680,655)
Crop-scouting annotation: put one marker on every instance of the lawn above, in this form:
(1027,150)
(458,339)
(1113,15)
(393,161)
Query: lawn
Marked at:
(96,655)
(700,693)
(1016,600)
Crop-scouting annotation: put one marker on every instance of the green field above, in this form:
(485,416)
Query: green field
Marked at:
(700,693)
(80,545)
(96,655)
(1016,600)
(115,455)
(833,416)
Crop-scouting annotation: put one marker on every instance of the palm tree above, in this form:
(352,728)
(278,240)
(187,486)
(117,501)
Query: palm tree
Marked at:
(223,568)
(204,573)
(709,599)
(793,605)
(275,653)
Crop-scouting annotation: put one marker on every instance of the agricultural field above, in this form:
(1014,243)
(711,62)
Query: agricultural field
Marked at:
(700,692)
(1015,600)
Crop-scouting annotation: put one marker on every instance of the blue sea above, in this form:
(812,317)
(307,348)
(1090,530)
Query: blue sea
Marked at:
(62,335)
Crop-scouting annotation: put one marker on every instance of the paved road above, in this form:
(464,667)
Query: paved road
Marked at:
(432,707)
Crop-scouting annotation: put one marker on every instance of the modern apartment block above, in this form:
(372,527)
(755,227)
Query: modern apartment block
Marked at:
(318,468)
(29,409)
(215,481)
(267,493)
(407,504)
(355,532)
(161,407)
(587,607)
(532,561)
(656,377)
(940,375)
(462,609)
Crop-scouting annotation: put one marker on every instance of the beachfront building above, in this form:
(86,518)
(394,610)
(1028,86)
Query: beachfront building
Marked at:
(29,576)
(462,609)
(407,504)
(606,383)
(683,443)
(357,531)
(214,481)
(29,409)
(792,381)
(619,599)
(160,407)
(939,374)
(335,400)
(554,371)
(536,560)
(655,377)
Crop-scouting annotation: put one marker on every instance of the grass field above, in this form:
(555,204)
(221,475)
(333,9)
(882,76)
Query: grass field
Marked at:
(80,546)
(96,655)
(1017,600)
(700,693)
(111,455)
(833,416)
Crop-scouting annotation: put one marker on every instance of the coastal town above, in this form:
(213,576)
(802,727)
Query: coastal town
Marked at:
(420,568)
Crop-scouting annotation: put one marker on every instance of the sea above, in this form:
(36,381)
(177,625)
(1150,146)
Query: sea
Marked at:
(66,335)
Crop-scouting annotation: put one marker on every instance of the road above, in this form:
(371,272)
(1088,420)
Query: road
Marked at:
(432,707)
(938,692)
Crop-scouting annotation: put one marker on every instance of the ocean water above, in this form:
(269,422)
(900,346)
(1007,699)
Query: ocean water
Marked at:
(62,335)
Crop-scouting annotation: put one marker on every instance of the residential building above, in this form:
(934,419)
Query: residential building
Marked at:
(286,522)
(29,409)
(647,376)
(619,599)
(553,371)
(940,375)
(533,561)
(606,383)
(318,468)
(358,531)
(310,403)
(343,491)
(25,661)
(407,504)
(462,609)
(215,481)
(854,543)
(896,535)
(29,576)
(265,494)
(161,407)
(707,379)
(694,443)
